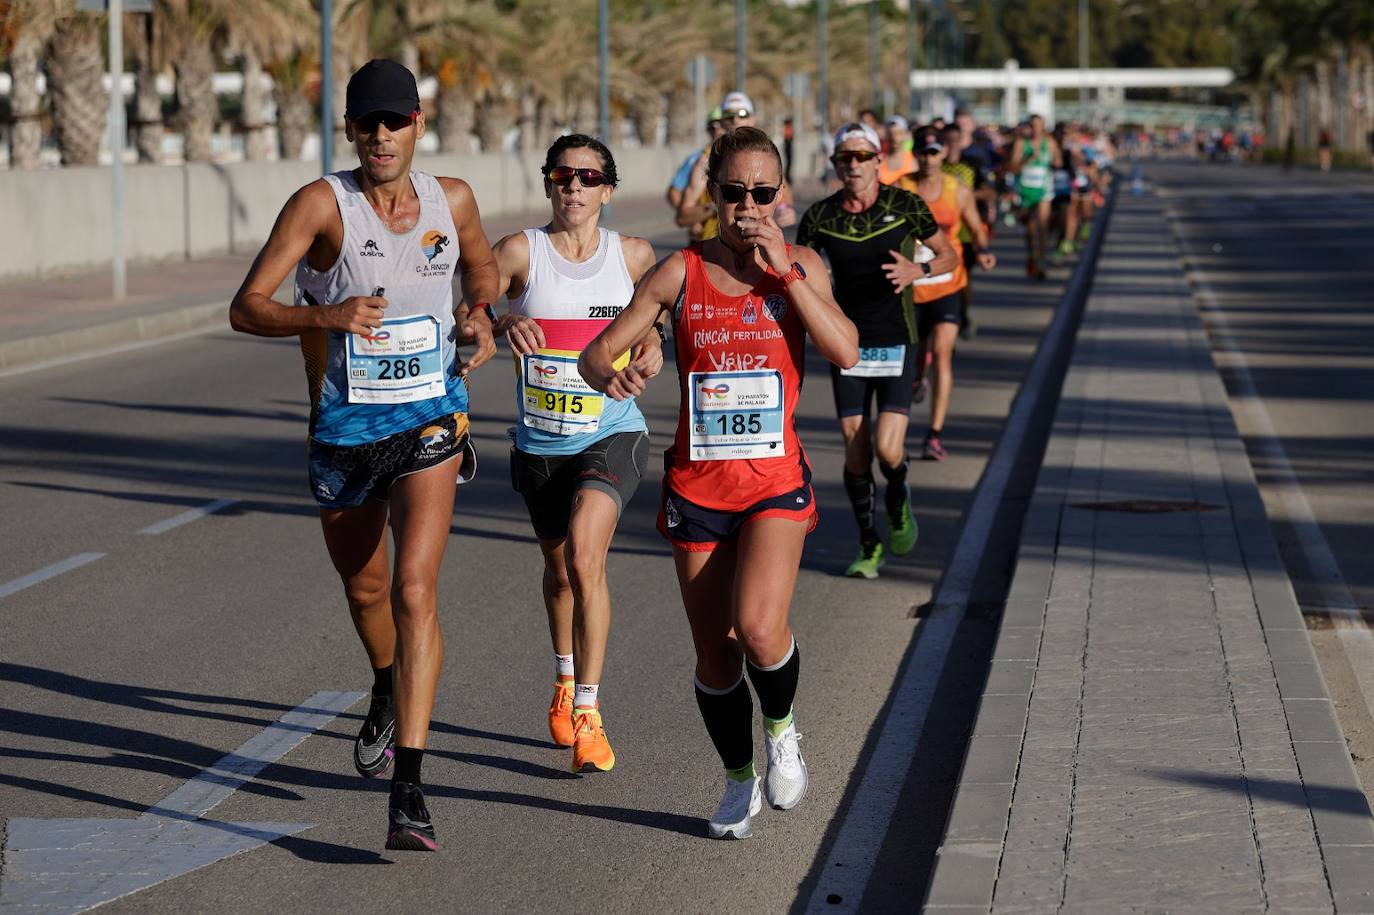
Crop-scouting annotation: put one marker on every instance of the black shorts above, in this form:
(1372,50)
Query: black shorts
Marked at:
(854,394)
(944,310)
(614,465)
(698,529)
(344,476)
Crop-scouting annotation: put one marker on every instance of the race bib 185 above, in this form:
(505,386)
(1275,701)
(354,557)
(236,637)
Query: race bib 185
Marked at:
(736,415)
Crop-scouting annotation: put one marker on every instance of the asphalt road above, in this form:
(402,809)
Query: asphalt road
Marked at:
(1287,261)
(129,675)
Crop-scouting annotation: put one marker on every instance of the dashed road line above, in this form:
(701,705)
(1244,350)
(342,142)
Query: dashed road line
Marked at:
(186,517)
(52,571)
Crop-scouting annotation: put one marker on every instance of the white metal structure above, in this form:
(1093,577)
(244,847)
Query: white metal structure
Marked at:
(1039,85)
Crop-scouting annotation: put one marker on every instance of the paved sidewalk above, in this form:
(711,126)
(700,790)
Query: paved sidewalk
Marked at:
(51,319)
(1154,733)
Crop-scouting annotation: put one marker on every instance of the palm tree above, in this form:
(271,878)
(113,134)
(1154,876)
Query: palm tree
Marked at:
(79,100)
(25,27)
(148,50)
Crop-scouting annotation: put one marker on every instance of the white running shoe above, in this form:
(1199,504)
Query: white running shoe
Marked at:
(741,801)
(786,780)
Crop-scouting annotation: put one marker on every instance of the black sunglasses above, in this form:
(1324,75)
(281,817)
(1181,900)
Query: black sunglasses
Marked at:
(843,159)
(735,193)
(562,175)
(735,114)
(391,120)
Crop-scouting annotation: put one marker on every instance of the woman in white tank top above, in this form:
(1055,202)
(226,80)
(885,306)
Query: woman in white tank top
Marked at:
(578,454)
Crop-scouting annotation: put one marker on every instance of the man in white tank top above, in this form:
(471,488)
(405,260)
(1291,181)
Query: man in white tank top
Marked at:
(578,455)
(374,251)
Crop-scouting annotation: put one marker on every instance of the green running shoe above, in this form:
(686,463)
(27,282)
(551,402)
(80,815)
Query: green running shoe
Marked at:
(869,561)
(901,528)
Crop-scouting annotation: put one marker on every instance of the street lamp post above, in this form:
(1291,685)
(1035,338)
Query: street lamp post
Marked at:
(874,56)
(822,70)
(1082,51)
(603,106)
(739,45)
(327,86)
(117,274)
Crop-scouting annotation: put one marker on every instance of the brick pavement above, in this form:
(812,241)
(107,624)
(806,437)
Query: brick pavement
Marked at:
(1155,733)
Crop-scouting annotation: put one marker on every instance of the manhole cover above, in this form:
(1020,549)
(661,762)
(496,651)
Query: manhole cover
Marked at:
(1147,506)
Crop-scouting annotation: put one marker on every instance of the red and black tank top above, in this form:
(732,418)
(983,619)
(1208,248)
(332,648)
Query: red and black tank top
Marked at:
(740,364)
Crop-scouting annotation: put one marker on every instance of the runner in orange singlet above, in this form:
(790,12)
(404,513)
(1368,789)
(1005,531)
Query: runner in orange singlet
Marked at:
(737,500)
(937,297)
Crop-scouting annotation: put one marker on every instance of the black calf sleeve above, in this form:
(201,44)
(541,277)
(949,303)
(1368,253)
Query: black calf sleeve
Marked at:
(777,685)
(729,718)
(861,493)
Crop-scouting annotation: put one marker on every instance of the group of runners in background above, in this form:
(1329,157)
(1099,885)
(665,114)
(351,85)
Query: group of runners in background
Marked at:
(375,251)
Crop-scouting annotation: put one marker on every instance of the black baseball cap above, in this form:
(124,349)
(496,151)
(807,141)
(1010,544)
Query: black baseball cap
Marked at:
(381,85)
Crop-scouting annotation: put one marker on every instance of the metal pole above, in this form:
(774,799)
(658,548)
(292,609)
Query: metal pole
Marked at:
(874,54)
(1082,51)
(326,86)
(739,45)
(910,57)
(603,104)
(822,70)
(116,25)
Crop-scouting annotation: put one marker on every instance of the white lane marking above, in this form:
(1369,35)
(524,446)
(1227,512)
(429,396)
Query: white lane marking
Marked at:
(54,866)
(1285,489)
(58,361)
(850,864)
(52,571)
(209,508)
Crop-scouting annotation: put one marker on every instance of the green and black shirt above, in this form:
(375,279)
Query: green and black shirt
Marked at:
(857,245)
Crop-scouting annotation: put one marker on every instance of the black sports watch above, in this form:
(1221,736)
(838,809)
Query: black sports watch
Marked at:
(925,267)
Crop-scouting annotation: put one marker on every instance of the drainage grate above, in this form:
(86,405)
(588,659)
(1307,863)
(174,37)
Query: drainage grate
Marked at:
(1146,506)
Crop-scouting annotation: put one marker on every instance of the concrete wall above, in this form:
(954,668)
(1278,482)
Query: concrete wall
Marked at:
(56,221)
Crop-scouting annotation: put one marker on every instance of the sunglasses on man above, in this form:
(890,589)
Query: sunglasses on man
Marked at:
(392,121)
(735,193)
(562,175)
(846,158)
(736,114)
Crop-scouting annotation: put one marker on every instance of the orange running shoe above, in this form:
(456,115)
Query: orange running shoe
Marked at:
(591,750)
(560,713)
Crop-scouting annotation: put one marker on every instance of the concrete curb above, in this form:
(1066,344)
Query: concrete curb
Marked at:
(40,350)
(33,352)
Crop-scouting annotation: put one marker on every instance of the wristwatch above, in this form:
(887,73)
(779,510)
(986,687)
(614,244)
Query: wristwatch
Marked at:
(925,267)
(484,306)
(798,272)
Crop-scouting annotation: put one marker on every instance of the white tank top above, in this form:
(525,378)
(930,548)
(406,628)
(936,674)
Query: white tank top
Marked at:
(572,302)
(364,388)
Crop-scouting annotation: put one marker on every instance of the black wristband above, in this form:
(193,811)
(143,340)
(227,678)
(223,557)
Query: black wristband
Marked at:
(662,335)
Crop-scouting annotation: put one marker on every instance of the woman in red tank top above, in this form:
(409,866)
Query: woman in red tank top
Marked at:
(737,501)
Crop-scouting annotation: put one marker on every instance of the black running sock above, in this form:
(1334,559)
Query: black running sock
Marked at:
(381,681)
(408,761)
(776,685)
(934,433)
(729,717)
(895,493)
(861,491)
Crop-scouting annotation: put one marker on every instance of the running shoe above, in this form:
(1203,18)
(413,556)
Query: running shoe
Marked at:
(560,714)
(410,829)
(786,780)
(933,449)
(1085,231)
(869,561)
(375,747)
(741,801)
(591,749)
(1066,248)
(901,527)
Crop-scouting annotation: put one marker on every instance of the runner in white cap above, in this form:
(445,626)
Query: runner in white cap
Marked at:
(898,160)
(870,233)
(696,208)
